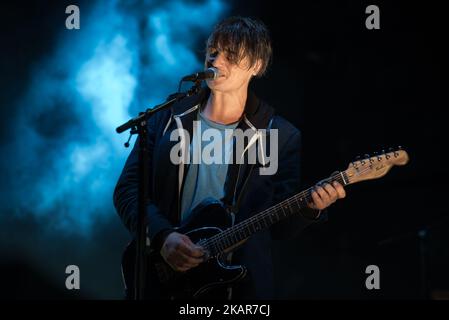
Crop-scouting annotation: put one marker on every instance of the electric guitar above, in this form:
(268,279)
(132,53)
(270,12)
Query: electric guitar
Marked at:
(209,225)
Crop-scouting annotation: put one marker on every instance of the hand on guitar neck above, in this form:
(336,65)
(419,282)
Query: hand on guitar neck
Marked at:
(325,194)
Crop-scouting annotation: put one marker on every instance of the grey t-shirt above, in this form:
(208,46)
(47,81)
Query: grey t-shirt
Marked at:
(207,178)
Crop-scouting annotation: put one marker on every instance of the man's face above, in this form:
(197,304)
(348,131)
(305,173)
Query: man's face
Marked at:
(233,76)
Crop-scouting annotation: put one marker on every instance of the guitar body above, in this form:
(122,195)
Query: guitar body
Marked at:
(162,282)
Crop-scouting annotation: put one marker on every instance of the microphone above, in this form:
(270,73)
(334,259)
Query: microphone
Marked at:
(209,73)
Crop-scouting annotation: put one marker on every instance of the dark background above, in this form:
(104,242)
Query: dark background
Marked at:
(350,90)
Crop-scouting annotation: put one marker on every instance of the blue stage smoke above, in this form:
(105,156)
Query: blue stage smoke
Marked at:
(127,56)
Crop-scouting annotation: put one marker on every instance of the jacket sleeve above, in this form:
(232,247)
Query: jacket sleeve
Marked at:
(287,183)
(126,193)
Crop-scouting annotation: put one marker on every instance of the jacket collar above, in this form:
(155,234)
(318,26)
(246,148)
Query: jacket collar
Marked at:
(257,112)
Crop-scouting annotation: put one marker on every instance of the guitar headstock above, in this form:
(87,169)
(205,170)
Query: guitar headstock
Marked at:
(376,166)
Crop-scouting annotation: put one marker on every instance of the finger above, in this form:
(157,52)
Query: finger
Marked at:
(179,261)
(192,249)
(317,202)
(331,191)
(333,196)
(185,258)
(176,267)
(340,190)
(323,195)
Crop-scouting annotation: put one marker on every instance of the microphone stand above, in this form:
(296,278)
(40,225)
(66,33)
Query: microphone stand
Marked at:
(139,125)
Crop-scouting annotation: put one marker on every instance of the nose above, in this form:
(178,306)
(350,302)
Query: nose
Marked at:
(217,60)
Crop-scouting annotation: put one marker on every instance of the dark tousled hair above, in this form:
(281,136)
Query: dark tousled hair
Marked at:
(239,37)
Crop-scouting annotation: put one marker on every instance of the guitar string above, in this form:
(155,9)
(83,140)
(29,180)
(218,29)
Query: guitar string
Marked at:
(224,235)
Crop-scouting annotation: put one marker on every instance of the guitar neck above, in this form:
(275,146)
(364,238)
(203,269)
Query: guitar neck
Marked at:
(265,219)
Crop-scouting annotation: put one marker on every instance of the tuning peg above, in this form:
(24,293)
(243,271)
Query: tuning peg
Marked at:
(355,160)
(390,150)
(366,156)
(396,153)
(376,154)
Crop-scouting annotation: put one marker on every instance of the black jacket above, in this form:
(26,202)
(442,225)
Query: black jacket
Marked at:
(261,191)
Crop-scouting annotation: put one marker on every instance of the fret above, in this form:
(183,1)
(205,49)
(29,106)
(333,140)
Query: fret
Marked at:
(257,224)
(226,240)
(297,203)
(214,245)
(259,221)
(247,231)
(308,197)
(252,225)
(241,235)
(266,223)
(283,210)
(270,215)
(220,244)
(235,237)
(290,208)
(302,201)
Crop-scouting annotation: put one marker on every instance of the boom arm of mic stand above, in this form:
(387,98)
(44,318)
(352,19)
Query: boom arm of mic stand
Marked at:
(144,116)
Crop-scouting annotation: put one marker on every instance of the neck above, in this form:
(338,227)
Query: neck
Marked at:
(225,108)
